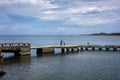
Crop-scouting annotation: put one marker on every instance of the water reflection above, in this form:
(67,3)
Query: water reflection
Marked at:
(45,54)
(57,54)
(1,60)
(16,59)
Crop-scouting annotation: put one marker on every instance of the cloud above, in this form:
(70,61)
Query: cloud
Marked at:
(68,30)
(26,1)
(40,4)
(86,13)
(61,29)
(79,12)
(16,28)
(21,27)
(4,18)
(26,29)
(32,8)
(91,19)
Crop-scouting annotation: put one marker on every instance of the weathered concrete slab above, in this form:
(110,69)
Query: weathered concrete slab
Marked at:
(50,49)
(16,48)
(45,50)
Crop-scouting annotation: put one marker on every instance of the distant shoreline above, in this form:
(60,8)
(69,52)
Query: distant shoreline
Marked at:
(105,34)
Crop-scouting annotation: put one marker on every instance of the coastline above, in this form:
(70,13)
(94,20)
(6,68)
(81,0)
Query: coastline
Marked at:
(105,34)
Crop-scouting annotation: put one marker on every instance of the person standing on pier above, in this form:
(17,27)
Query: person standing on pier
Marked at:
(64,43)
(61,42)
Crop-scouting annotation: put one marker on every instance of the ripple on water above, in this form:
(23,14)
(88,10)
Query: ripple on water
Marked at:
(73,66)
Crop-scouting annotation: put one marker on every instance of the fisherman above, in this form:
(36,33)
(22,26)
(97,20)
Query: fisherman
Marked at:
(64,43)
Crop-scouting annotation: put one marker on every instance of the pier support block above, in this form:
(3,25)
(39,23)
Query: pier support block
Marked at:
(45,50)
(114,49)
(62,50)
(81,49)
(100,49)
(24,51)
(67,49)
(107,49)
(17,53)
(93,49)
(72,49)
(86,49)
(39,51)
(78,49)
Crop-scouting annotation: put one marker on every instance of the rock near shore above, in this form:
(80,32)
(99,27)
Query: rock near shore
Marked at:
(2,73)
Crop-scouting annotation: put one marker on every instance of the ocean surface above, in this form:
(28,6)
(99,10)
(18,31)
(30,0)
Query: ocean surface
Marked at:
(83,65)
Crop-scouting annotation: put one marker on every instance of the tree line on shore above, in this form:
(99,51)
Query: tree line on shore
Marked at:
(106,34)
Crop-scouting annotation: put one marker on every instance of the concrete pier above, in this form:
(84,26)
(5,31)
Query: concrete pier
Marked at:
(16,48)
(72,48)
(49,49)
(45,50)
(25,48)
(100,47)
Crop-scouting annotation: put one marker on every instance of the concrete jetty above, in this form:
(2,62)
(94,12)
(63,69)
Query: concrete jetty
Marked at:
(72,48)
(100,47)
(51,49)
(16,48)
(25,48)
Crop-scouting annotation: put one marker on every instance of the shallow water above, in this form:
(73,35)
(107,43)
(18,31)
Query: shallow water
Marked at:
(72,66)
(86,65)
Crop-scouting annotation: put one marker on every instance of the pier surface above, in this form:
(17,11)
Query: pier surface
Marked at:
(47,49)
(56,46)
(67,48)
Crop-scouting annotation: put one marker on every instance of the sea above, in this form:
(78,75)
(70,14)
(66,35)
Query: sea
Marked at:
(82,65)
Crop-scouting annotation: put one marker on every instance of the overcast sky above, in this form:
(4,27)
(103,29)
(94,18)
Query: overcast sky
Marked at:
(50,17)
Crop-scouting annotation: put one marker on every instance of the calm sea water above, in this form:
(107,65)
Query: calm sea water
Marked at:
(86,65)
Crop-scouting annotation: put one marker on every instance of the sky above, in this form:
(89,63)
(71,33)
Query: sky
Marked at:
(59,17)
